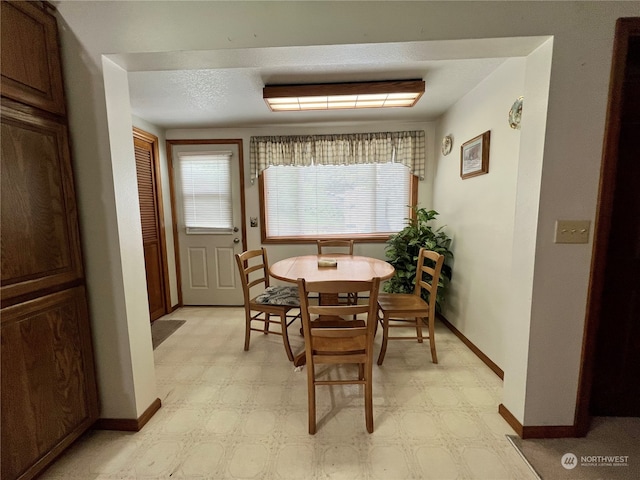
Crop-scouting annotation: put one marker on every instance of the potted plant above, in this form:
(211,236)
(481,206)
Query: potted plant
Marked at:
(403,248)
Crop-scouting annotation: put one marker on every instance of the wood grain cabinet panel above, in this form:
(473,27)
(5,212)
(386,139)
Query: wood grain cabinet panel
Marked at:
(40,239)
(30,60)
(48,382)
(47,385)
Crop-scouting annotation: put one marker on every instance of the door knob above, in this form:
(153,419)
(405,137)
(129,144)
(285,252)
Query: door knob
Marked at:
(235,229)
(236,240)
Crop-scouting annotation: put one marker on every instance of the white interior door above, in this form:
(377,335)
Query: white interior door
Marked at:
(208,212)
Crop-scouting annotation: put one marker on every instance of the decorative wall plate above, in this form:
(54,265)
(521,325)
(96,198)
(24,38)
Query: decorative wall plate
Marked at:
(515,114)
(447,143)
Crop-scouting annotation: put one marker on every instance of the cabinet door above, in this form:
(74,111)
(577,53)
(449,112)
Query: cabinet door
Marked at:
(48,381)
(40,239)
(30,59)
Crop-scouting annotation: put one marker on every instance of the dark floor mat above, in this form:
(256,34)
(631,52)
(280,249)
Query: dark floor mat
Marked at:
(162,329)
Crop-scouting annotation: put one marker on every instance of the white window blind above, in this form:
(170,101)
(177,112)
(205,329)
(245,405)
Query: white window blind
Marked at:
(336,199)
(206,192)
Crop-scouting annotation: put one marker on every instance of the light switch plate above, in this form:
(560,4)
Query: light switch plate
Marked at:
(572,231)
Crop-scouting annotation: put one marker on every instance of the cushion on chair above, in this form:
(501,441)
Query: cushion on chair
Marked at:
(279,295)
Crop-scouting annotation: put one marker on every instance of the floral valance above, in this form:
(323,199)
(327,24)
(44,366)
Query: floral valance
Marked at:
(407,148)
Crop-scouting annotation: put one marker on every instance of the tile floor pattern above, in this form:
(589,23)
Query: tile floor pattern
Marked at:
(230,414)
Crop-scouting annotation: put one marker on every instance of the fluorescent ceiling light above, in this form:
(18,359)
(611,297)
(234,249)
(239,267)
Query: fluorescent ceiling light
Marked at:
(340,96)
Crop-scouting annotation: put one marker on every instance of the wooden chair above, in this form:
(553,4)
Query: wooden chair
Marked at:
(341,342)
(339,246)
(410,309)
(272,300)
(323,245)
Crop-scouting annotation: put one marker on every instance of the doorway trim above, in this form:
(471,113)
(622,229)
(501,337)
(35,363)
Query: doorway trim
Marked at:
(170,143)
(625,29)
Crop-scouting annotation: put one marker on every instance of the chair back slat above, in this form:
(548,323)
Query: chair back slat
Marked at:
(327,344)
(339,286)
(330,246)
(340,332)
(429,264)
(340,359)
(338,311)
(254,270)
(257,281)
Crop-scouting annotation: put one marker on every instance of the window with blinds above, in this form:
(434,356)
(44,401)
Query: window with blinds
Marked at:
(206,191)
(336,200)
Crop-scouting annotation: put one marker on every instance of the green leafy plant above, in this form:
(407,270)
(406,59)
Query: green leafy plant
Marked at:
(403,248)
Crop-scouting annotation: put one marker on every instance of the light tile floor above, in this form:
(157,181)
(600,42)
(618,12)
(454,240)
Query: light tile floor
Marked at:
(230,414)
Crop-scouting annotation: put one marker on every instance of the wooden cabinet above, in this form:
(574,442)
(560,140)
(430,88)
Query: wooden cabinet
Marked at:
(47,397)
(48,386)
(40,240)
(31,71)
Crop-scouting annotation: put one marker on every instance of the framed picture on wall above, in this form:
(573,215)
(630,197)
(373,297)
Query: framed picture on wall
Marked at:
(474,156)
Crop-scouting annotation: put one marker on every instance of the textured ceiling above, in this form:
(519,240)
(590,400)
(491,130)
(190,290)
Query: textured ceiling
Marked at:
(224,88)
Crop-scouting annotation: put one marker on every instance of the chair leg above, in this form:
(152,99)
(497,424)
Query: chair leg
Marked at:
(285,336)
(247,330)
(432,340)
(419,329)
(368,399)
(375,330)
(385,335)
(311,393)
(353,301)
(267,322)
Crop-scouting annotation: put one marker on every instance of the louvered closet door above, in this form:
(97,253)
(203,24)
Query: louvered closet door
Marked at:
(150,218)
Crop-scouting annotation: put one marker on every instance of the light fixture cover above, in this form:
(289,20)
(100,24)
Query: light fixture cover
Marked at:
(340,96)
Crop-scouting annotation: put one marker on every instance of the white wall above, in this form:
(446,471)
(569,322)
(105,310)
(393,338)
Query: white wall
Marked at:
(166,201)
(479,211)
(494,220)
(583,37)
(532,141)
(276,251)
(133,325)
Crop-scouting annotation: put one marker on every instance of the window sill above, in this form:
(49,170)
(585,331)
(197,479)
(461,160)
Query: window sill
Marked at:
(306,239)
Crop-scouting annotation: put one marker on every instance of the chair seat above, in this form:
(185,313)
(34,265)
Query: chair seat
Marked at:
(279,295)
(402,304)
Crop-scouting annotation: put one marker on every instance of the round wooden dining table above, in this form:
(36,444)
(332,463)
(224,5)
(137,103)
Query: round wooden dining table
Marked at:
(347,267)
